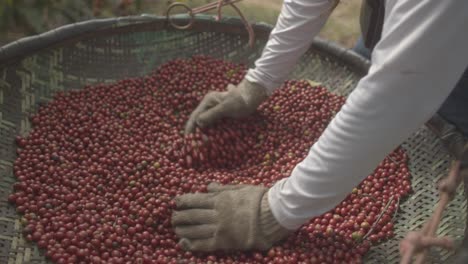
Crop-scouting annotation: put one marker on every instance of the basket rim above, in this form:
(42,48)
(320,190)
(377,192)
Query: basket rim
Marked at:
(20,49)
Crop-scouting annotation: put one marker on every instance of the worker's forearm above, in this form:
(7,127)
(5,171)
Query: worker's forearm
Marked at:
(298,23)
(421,56)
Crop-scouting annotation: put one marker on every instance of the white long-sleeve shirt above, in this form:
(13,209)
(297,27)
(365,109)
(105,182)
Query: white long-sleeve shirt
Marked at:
(422,53)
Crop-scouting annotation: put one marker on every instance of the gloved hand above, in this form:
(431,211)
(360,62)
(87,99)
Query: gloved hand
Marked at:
(231,217)
(238,101)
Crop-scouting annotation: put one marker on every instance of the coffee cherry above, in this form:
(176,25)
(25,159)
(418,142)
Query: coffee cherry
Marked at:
(97,174)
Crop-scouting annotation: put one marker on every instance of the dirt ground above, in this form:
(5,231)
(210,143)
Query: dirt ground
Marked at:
(343,25)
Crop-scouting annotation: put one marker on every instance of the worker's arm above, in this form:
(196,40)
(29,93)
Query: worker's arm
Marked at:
(421,56)
(298,23)
(415,66)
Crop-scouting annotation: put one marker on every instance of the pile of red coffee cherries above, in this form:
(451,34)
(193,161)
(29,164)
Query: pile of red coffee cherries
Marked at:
(98,172)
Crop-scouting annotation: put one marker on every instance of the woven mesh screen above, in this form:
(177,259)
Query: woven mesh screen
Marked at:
(119,52)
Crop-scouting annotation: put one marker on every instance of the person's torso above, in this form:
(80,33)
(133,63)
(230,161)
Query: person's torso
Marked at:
(371,20)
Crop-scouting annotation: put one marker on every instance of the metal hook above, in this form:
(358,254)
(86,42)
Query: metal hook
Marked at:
(189,12)
(214,5)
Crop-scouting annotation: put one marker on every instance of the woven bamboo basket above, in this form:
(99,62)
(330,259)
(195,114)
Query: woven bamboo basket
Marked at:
(97,51)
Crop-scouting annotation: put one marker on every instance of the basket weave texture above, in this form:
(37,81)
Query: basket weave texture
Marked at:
(98,51)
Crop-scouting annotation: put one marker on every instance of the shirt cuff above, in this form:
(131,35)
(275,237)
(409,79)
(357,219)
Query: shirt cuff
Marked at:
(256,76)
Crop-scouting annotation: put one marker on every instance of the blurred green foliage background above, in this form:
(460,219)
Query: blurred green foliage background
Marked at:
(20,18)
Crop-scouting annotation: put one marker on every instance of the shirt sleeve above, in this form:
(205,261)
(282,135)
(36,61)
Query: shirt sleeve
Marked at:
(298,23)
(422,54)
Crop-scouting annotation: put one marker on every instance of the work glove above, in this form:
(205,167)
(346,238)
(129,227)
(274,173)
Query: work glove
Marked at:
(238,101)
(231,217)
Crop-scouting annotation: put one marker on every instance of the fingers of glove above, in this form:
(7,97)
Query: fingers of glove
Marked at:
(195,231)
(210,100)
(231,87)
(190,125)
(195,200)
(216,187)
(212,115)
(193,217)
(205,245)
